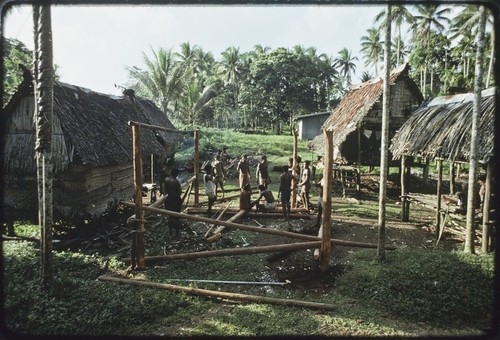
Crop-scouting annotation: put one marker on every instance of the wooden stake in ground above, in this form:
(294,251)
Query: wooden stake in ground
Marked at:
(293,202)
(196,168)
(138,238)
(327,203)
(219,294)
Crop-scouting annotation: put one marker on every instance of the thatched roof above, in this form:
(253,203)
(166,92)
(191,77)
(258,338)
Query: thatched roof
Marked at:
(357,103)
(96,124)
(442,126)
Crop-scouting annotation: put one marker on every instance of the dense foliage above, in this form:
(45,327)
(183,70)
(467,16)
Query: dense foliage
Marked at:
(14,53)
(268,87)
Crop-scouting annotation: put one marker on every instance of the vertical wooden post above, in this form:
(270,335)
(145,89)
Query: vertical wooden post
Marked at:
(486,209)
(196,168)
(404,206)
(293,202)
(138,239)
(452,177)
(152,168)
(439,164)
(327,202)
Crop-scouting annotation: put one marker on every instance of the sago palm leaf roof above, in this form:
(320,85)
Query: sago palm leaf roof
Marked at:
(442,126)
(96,124)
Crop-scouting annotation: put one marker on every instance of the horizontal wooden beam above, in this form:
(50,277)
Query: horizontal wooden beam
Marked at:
(156,127)
(256,229)
(234,251)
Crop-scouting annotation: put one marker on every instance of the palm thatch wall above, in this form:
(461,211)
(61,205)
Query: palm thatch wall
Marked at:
(92,150)
(441,128)
(358,117)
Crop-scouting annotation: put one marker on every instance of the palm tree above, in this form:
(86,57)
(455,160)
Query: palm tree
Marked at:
(195,99)
(428,17)
(399,15)
(345,62)
(162,81)
(371,46)
(467,21)
(476,112)
(230,71)
(44,81)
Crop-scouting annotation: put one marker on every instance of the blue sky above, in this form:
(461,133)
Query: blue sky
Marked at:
(93,44)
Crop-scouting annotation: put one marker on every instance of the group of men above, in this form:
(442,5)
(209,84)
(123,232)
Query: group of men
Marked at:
(214,177)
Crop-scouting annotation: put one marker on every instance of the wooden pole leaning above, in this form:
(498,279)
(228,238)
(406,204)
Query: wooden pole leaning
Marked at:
(327,203)
(255,229)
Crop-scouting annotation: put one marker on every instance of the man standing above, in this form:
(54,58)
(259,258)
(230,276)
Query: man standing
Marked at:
(262,173)
(305,184)
(173,202)
(244,170)
(210,188)
(285,192)
(219,175)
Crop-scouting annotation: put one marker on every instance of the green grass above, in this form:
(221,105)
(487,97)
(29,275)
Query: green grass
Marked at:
(413,293)
(277,148)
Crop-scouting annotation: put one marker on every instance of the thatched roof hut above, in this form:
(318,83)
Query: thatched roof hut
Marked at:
(361,111)
(92,149)
(441,128)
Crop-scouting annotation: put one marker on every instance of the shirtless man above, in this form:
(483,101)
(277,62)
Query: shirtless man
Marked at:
(218,174)
(244,170)
(268,195)
(285,190)
(262,173)
(305,184)
(173,202)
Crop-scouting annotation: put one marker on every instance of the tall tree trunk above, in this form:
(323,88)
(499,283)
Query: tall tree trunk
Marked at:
(476,112)
(385,137)
(44,73)
(492,57)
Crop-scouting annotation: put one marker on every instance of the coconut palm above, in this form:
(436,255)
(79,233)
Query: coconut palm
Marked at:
(345,62)
(476,113)
(162,81)
(230,68)
(467,21)
(372,48)
(44,81)
(400,15)
(427,19)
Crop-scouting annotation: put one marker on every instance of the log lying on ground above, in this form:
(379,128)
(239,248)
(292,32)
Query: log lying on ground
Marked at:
(217,233)
(219,294)
(234,251)
(257,229)
(254,213)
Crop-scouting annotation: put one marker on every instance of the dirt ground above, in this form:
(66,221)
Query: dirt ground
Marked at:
(112,236)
